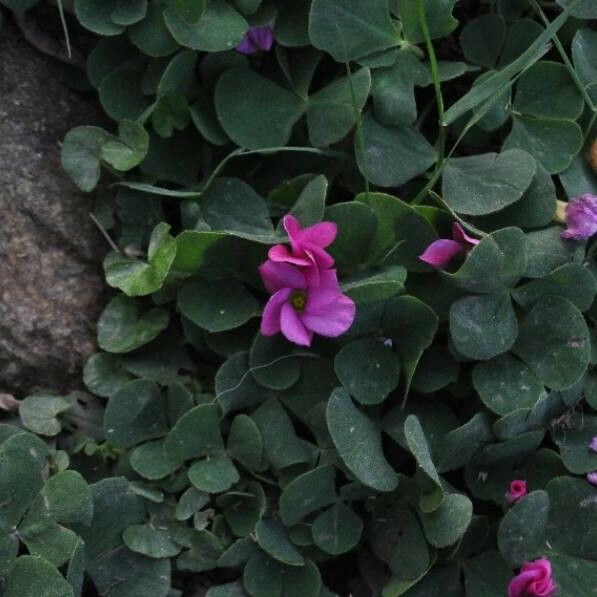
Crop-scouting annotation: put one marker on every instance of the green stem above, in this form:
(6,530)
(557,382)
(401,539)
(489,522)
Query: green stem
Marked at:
(565,58)
(64,28)
(441,139)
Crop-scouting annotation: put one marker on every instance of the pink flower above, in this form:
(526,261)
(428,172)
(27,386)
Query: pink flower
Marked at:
(299,309)
(593,444)
(517,491)
(307,247)
(581,217)
(592,478)
(256,39)
(534,580)
(440,252)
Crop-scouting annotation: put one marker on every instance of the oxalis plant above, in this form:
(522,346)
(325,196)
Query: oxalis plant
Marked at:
(351,343)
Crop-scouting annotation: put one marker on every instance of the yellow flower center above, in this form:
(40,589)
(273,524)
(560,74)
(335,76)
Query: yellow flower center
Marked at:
(298,299)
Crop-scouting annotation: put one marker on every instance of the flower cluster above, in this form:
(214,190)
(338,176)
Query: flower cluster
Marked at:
(305,293)
(581,217)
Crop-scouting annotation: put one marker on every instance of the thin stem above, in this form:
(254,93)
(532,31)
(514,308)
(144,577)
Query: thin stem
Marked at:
(104,233)
(64,28)
(441,139)
(565,58)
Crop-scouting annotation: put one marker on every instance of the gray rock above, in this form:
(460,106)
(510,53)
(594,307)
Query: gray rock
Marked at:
(51,285)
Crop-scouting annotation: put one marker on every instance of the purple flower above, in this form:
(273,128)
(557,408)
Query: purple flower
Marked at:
(592,478)
(257,39)
(440,252)
(593,444)
(534,580)
(307,247)
(581,217)
(299,309)
(516,491)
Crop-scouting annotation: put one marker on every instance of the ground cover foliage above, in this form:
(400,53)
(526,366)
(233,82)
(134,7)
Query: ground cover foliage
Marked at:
(207,456)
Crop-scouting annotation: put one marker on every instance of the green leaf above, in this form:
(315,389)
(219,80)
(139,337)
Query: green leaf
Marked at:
(546,90)
(358,441)
(104,374)
(196,433)
(487,575)
(482,39)
(402,232)
(483,327)
(571,281)
(394,90)
(448,523)
(139,278)
(170,112)
(283,447)
(150,542)
(264,577)
(243,510)
(120,329)
(460,444)
(217,305)
(412,325)
(505,384)
(378,286)
(584,55)
(213,475)
(129,149)
(39,413)
(553,143)
(291,28)
(129,12)
(232,206)
(547,251)
(368,370)
(350,29)
(121,94)
(337,530)
(554,342)
(151,35)
(97,16)
(432,493)
(331,112)
(135,414)
(396,538)
(438,15)
(151,462)
(189,11)
(251,123)
(245,443)
(483,184)
(391,156)
(219,28)
(269,364)
(30,576)
(496,263)
(80,155)
(23,458)
(572,535)
(273,538)
(573,442)
(235,387)
(357,225)
(307,493)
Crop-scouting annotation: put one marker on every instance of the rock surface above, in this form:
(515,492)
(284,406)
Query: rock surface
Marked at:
(51,287)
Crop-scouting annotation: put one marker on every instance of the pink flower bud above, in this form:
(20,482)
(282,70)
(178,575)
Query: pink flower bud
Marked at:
(534,580)
(516,491)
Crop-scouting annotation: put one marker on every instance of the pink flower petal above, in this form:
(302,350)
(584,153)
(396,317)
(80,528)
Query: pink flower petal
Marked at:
(281,275)
(519,584)
(328,312)
(460,236)
(293,328)
(280,253)
(322,234)
(270,322)
(581,217)
(255,39)
(440,252)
